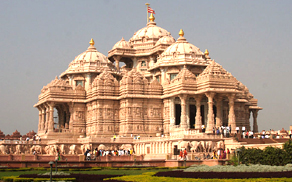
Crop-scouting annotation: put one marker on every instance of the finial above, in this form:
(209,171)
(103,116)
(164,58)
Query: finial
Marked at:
(181,33)
(207,52)
(91,42)
(151,17)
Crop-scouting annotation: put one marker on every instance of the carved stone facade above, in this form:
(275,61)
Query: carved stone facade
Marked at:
(164,87)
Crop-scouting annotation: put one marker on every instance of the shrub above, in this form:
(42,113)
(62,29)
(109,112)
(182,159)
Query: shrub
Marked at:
(268,156)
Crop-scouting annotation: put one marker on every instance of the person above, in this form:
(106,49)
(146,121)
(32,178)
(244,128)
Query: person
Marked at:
(180,154)
(185,154)
(95,154)
(214,154)
(58,157)
(219,154)
(88,156)
(228,153)
(85,154)
(114,137)
(224,155)
(230,128)
(237,129)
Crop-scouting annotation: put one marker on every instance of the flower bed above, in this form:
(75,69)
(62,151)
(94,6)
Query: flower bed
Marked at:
(224,175)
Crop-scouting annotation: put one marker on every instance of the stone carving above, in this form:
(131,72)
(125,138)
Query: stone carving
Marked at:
(72,150)
(3,149)
(18,149)
(37,149)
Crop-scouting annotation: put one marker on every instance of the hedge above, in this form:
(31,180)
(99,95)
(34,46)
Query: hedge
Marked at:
(269,156)
(148,177)
(18,179)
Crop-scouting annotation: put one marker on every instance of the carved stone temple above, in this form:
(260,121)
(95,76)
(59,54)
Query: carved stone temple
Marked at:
(152,86)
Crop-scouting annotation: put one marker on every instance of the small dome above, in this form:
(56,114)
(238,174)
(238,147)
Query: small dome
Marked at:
(89,61)
(168,39)
(181,53)
(122,44)
(182,46)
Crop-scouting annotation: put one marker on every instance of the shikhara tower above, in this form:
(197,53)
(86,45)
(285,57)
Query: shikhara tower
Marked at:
(165,87)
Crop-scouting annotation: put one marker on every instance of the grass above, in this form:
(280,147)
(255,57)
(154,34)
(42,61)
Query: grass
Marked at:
(17,173)
(104,171)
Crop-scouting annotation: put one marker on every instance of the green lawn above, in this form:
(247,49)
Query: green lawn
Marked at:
(104,171)
(17,173)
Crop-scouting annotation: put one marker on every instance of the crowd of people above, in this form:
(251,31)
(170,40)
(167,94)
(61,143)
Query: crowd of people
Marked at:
(95,154)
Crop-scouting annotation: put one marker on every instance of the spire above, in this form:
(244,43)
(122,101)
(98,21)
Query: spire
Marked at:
(181,33)
(151,17)
(206,52)
(91,42)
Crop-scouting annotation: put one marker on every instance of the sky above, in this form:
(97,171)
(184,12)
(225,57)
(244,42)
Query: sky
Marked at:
(38,39)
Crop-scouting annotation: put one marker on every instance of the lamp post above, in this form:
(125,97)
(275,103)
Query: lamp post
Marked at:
(51,165)
(56,169)
(237,151)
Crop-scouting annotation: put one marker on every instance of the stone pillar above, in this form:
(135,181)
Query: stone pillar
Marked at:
(171,113)
(51,118)
(183,118)
(231,115)
(87,83)
(40,120)
(249,111)
(219,111)
(163,75)
(165,147)
(170,147)
(47,118)
(71,80)
(188,112)
(198,123)
(117,60)
(156,147)
(210,122)
(43,126)
(255,122)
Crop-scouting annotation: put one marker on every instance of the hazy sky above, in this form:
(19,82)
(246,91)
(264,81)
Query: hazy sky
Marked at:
(38,39)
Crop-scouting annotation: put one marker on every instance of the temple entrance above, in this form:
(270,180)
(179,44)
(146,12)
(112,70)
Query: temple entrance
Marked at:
(192,116)
(203,114)
(177,114)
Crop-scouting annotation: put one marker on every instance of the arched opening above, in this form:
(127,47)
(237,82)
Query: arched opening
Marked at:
(192,116)
(177,114)
(203,114)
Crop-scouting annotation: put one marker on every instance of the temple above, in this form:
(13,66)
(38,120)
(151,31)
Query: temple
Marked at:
(152,86)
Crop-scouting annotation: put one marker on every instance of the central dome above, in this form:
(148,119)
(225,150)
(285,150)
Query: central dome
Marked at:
(148,35)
